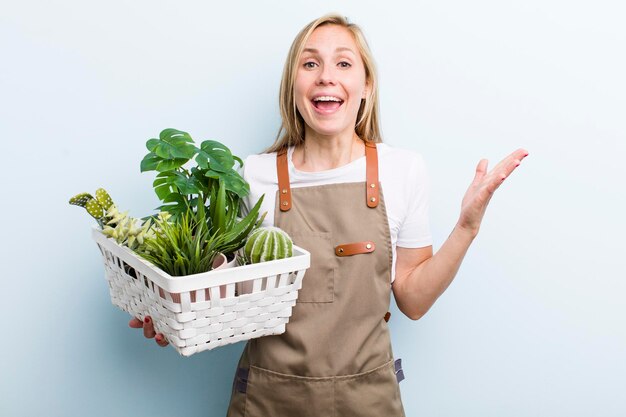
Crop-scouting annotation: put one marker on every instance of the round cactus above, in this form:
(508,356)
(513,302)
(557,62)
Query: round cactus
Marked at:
(268,243)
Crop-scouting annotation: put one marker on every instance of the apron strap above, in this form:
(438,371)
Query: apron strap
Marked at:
(282,169)
(371,177)
(371,174)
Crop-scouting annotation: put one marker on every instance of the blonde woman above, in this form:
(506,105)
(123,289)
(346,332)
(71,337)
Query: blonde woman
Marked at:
(360,207)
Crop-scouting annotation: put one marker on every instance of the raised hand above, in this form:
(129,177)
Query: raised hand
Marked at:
(482,189)
(148,330)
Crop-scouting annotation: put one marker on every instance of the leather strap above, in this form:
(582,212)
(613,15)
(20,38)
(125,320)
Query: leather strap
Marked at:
(371,174)
(284,190)
(356,248)
(372,184)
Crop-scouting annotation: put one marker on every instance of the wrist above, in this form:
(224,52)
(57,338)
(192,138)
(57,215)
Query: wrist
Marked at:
(468,232)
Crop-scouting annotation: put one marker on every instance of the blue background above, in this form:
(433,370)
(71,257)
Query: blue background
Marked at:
(533,325)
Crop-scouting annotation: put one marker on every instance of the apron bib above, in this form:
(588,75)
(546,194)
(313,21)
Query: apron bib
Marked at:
(335,358)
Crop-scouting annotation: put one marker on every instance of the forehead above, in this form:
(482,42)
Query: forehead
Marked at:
(332,38)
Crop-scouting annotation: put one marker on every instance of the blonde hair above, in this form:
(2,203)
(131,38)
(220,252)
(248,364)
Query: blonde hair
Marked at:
(291,132)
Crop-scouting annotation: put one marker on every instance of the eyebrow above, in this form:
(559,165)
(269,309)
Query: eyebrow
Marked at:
(340,49)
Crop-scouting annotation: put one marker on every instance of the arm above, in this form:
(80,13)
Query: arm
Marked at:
(422,277)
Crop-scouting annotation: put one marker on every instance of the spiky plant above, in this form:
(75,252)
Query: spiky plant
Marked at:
(182,247)
(129,231)
(224,221)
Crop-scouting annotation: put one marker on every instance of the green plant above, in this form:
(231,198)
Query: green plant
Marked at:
(267,244)
(212,183)
(179,187)
(182,247)
(128,231)
(97,207)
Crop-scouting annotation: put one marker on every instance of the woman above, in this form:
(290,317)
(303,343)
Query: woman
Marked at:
(327,171)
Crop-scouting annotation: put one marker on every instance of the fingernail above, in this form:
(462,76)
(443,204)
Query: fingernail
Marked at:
(147,320)
(159,338)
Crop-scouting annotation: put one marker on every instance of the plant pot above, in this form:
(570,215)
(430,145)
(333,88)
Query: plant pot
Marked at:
(220,262)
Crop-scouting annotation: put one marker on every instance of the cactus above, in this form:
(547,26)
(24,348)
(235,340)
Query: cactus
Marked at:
(95,209)
(104,198)
(81,199)
(92,205)
(98,207)
(267,244)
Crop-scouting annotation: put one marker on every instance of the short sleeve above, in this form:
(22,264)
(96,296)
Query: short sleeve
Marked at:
(415,228)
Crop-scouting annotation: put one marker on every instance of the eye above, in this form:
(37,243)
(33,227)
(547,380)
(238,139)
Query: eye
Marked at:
(344,64)
(309,64)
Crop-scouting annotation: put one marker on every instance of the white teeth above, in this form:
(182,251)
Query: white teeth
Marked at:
(326,98)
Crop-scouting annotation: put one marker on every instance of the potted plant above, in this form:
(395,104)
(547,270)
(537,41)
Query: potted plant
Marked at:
(164,265)
(212,182)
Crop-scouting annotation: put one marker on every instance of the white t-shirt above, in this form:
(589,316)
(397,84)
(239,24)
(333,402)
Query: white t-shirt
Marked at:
(402,174)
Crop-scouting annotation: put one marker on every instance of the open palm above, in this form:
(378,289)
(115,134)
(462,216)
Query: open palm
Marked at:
(483,187)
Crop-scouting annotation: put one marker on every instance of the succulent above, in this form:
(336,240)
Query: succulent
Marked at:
(104,198)
(126,230)
(267,244)
(97,207)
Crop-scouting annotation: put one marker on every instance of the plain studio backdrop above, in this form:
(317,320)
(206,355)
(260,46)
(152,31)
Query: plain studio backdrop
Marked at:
(534,323)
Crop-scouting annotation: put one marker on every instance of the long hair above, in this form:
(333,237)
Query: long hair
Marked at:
(291,132)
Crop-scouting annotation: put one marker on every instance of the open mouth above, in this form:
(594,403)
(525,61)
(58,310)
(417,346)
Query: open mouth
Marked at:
(327,104)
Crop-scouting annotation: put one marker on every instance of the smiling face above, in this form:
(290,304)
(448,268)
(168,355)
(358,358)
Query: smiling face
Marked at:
(330,82)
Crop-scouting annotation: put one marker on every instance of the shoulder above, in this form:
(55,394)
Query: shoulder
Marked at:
(260,168)
(401,161)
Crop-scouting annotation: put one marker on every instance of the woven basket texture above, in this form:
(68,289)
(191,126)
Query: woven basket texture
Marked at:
(204,311)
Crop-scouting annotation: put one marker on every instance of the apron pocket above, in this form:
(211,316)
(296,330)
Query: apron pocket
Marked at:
(273,394)
(318,285)
(374,393)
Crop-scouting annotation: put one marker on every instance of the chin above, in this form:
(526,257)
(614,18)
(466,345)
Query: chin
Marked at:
(327,132)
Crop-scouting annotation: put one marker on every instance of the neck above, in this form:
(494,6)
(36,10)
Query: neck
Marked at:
(321,153)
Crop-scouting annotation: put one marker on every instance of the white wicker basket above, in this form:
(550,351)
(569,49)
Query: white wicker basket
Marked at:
(204,311)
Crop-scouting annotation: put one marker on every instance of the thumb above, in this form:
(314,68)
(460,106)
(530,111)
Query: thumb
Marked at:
(481,170)
(135,323)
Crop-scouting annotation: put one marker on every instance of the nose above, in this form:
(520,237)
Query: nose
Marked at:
(326,76)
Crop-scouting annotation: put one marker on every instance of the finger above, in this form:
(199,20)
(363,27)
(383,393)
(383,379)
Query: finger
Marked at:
(505,167)
(514,160)
(481,171)
(521,153)
(161,340)
(515,157)
(135,323)
(148,327)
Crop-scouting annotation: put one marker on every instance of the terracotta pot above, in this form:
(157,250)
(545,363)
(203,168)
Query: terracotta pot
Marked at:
(220,262)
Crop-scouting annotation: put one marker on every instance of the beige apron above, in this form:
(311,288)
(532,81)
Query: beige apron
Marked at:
(335,357)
